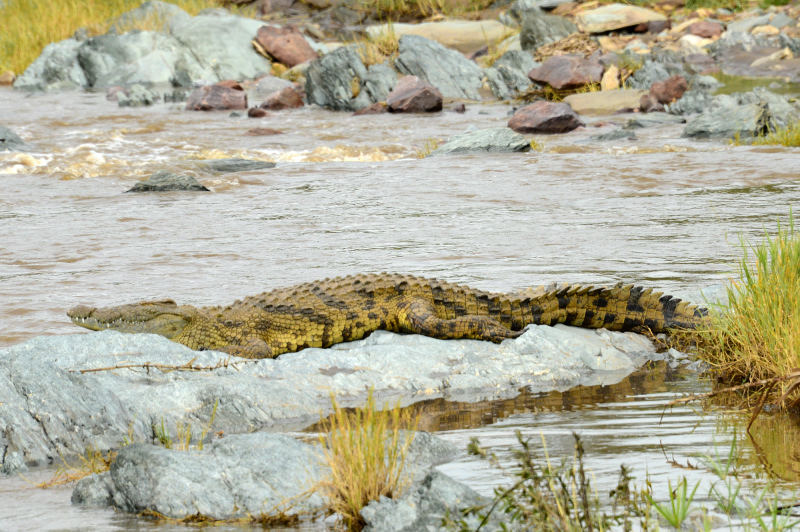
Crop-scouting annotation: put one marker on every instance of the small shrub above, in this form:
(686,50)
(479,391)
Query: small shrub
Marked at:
(788,136)
(377,49)
(428,147)
(366,452)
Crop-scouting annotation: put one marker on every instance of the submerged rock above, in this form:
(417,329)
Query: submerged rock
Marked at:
(545,117)
(496,139)
(447,70)
(617,134)
(10,141)
(226,166)
(653,119)
(73,410)
(163,181)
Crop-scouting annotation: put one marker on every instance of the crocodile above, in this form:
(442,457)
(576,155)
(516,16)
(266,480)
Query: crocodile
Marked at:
(323,313)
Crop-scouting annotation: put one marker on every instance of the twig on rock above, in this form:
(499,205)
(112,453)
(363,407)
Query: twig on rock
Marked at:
(167,368)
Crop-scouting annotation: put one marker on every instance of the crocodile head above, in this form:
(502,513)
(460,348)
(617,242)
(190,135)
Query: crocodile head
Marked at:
(158,317)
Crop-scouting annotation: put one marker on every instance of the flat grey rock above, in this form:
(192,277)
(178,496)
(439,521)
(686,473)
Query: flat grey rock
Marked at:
(10,141)
(450,72)
(496,139)
(163,181)
(54,409)
(226,166)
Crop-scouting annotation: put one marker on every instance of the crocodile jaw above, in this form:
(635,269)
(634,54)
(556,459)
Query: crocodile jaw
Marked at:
(157,317)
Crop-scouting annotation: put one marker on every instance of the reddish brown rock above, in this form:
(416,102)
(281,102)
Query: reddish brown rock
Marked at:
(669,90)
(231,84)
(376,108)
(262,132)
(288,98)
(649,104)
(413,95)
(255,112)
(567,72)
(545,117)
(286,45)
(460,108)
(705,29)
(216,98)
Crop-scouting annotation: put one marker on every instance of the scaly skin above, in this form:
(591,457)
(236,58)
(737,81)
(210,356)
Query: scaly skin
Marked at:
(324,313)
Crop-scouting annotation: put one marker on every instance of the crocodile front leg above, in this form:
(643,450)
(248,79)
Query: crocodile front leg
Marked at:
(419,316)
(252,348)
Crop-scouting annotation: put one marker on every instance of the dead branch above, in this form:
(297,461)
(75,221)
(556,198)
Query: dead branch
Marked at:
(167,368)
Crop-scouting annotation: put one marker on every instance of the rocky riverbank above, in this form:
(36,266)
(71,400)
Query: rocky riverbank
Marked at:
(616,57)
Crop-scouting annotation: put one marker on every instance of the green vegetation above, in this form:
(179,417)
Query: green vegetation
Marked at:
(562,499)
(788,136)
(30,25)
(366,451)
(757,336)
(377,49)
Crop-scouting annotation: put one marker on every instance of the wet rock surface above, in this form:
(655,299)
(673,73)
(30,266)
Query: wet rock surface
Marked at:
(71,410)
(414,95)
(287,98)
(545,117)
(216,98)
(163,181)
(500,139)
(225,166)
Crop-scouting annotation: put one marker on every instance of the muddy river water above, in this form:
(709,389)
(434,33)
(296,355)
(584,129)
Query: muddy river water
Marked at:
(350,195)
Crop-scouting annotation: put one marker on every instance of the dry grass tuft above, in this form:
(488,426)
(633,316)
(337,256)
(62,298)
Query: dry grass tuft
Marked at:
(377,49)
(788,136)
(30,25)
(420,9)
(757,336)
(366,450)
(428,147)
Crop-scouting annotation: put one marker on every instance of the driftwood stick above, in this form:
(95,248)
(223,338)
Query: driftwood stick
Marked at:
(167,368)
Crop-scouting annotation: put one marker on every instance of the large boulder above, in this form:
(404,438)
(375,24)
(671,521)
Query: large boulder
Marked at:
(286,45)
(495,139)
(544,29)
(216,98)
(615,17)
(57,68)
(340,81)
(414,95)
(222,46)
(447,70)
(466,36)
(136,57)
(545,117)
(10,141)
(567,72)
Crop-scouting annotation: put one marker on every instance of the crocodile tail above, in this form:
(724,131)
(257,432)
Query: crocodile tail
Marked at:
(618,308)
